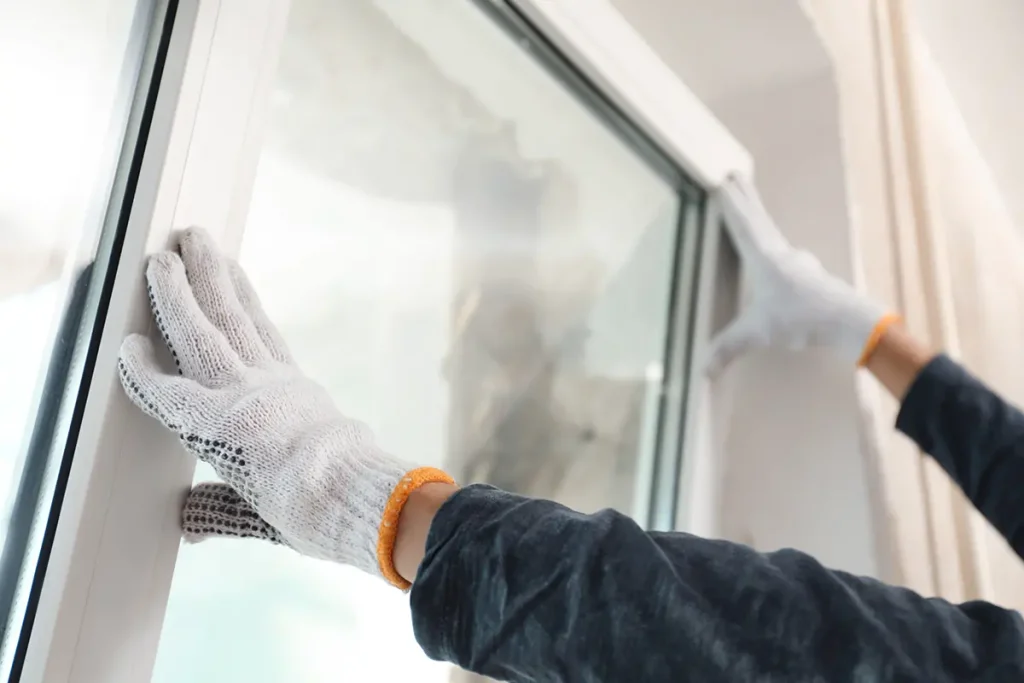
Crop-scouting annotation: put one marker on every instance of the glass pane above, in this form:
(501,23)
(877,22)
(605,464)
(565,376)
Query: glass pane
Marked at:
(471,262)
(67,73)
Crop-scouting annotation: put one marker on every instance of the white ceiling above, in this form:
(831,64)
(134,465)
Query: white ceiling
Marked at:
(725,47)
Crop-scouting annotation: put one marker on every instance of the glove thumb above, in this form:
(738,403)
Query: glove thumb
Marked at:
(217,510)
(738,338)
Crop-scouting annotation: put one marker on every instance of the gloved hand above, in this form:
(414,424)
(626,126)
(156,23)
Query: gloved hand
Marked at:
(238,402)
(796,304)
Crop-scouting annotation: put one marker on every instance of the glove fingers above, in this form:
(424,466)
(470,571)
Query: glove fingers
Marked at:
(199,349)
(752,230)
(158,394)
(266,329)
(214,292)
(217,510)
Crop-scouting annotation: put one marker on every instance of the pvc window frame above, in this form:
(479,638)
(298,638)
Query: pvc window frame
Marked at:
(99,611)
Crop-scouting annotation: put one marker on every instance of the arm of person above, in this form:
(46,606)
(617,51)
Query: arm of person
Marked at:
(976,436)
(524,589)
(509,587)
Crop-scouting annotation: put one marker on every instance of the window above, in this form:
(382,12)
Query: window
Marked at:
(469,218)
(459,245)
(69,73)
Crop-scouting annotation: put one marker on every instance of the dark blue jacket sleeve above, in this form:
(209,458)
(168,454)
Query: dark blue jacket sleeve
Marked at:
(527,590)
(976,436)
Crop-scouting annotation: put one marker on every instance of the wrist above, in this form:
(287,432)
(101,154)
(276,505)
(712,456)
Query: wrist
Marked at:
(414,526)
(898,359)
(402,534)
(877,336)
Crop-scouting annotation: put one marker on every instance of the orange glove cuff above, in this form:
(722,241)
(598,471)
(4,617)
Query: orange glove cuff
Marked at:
(875,338)
(388,532)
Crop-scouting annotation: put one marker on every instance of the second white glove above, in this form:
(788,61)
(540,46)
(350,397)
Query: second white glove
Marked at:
(796,303)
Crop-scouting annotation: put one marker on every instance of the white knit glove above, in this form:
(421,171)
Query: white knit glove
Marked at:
(238,402)
(795,303)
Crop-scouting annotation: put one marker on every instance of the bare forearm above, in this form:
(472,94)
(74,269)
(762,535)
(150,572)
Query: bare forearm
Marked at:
(414,524)
(897,360)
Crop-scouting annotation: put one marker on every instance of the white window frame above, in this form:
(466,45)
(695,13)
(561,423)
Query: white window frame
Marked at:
(719,294)
(101,609)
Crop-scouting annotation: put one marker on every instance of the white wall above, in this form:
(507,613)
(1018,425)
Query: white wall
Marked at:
(795,475)
(729,47)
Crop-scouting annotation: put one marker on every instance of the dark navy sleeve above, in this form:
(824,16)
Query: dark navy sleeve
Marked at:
(976,436)
(520,589)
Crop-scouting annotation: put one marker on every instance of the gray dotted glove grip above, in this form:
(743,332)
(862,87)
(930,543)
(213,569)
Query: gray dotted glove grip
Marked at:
(218,510)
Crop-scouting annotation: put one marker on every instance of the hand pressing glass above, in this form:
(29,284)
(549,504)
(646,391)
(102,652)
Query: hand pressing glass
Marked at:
(796,304)
(297,471)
